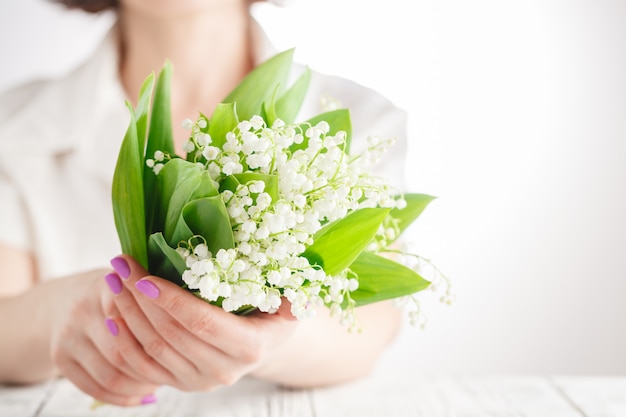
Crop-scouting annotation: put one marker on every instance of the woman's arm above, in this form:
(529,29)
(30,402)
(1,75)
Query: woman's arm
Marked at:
(17,270)
(322,352)
(24,320)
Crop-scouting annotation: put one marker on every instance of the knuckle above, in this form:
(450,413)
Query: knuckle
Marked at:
(207,387)
(176,302)
(143,366)
(117,357)
(58,349)
(203,325)
(125,402)
(78,309)
(171,331)
(192,386)
(144,369)
(148,368)
(251,354)
(226,377)
(122,401)
(56,354)
(107,304)
(155,347)
(97,392)
(251,347)
(111,379)
(83,305)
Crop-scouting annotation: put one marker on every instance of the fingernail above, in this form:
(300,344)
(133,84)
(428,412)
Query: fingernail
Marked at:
(112,326)
(148,288)
(114,282)
(148,399)
(121,267)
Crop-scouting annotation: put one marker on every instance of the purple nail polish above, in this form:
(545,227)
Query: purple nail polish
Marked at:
(148,399)
(114,282)
(148,288)
(121,267)
(112,326)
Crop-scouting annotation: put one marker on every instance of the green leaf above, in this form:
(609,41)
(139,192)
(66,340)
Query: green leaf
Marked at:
(229,183)
(288,106)
(167,262)
(179,182)
(141,113)
(415,204)
(383,279)
(268,109)
(160,138)
(208,218)
(180,231)
(127,195)
(259,85)
(337,120)
(338,244)
(223,120)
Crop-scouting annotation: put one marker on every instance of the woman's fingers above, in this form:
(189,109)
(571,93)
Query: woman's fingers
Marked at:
(80,361)
(122,346)
(144,330)
(210,323)
(86,383)
(180,314)
(240,336)
(220,346)
(121,350)
(118,351)
(219,357)
(196,364)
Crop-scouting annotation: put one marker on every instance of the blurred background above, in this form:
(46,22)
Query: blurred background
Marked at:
(517,122)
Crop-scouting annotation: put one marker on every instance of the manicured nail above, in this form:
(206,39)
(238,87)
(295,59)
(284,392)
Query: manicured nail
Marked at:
(148,399)
(148,288)
(114,282)
(112,326)
(121,267)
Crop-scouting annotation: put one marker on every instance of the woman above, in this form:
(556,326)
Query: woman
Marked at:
(117,333)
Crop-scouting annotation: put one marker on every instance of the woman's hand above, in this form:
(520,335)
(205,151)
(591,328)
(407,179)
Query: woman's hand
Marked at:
(200,345)
(84,348)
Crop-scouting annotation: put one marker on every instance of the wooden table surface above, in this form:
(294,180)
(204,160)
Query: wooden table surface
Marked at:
(388,396)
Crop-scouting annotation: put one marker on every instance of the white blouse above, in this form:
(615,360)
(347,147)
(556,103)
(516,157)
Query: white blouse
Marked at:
(59,141)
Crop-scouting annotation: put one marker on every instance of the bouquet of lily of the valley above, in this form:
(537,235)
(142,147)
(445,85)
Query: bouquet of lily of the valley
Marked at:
(261,207)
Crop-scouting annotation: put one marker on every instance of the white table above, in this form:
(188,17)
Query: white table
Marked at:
(428,396)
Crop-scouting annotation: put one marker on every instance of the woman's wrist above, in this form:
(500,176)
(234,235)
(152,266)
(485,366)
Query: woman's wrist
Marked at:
(31,325)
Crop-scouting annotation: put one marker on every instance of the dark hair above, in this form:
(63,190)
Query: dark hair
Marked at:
(91,6)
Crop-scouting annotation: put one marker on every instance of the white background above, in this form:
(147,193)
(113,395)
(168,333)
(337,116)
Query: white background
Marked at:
(517,123)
